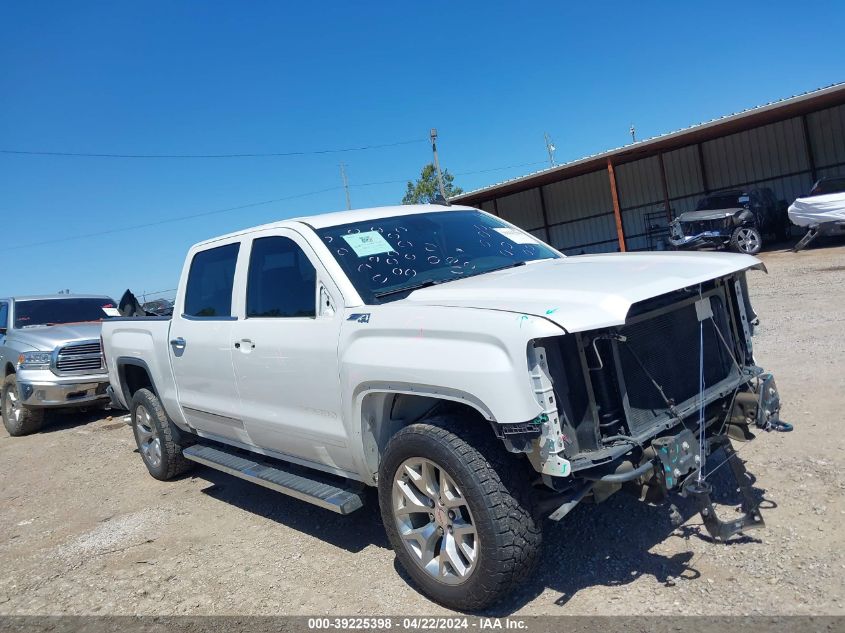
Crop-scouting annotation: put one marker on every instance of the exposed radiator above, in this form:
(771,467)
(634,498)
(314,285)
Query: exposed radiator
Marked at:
(667,345)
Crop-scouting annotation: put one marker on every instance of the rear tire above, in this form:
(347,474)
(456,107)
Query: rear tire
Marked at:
(459,516)
(160,442)
(18,419)
(747,240)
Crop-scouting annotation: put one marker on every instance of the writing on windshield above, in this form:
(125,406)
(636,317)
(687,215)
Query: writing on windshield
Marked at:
(382,257)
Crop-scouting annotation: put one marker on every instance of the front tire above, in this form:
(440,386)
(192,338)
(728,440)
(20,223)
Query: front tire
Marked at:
(159,441)
(17,418)
(460,519)
(747,240)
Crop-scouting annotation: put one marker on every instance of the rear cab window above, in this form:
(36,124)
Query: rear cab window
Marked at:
(208,292)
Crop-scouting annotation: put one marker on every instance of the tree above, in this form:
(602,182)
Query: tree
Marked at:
(425,190)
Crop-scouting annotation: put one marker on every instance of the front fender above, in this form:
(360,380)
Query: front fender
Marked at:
(474,356)
(745,218)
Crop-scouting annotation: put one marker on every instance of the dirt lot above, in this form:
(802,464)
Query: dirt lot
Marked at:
(86,530)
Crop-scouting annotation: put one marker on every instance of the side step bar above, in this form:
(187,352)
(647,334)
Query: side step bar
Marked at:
(317,488)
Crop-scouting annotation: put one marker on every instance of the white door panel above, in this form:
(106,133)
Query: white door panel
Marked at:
(288,384)
(286,364)
(200,344)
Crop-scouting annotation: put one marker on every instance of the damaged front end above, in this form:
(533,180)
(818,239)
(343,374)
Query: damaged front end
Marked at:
(641,406)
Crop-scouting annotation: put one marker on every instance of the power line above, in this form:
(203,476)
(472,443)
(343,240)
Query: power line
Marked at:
(238,208)
(175,219)
(244,155)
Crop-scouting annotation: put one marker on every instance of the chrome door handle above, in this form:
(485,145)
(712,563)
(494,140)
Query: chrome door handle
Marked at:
(178,343)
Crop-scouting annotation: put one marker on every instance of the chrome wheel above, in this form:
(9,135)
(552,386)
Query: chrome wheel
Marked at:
(149,442)
(13,406)
(434,521)
(747,240)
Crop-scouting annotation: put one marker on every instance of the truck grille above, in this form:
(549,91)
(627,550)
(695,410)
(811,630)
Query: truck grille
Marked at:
(667,345)
(77,358)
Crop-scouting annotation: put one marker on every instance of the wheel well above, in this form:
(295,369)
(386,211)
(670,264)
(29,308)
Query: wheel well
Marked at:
(133,378)
(384,414)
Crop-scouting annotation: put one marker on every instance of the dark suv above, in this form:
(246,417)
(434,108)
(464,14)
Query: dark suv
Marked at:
(737,219)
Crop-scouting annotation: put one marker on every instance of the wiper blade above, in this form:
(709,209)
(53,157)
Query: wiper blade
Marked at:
(424,284)
(493,270)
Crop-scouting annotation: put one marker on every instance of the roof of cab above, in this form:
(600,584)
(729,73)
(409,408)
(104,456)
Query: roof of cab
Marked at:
(325,220)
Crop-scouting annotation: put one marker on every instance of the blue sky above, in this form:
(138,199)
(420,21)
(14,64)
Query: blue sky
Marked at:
(160,77)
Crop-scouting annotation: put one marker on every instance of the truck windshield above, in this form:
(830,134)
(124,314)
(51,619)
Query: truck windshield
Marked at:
(723,201)
(389,257)
(34,312)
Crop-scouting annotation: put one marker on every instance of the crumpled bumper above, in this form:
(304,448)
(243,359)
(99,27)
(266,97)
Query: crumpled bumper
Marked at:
(699,239)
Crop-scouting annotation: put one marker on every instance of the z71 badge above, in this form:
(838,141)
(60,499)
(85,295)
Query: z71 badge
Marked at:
(360,317)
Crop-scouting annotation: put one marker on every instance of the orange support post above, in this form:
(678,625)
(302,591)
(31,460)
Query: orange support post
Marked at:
(620,234)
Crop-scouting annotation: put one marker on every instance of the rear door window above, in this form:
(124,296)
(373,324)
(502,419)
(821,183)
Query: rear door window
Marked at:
(4,315)
(209,288)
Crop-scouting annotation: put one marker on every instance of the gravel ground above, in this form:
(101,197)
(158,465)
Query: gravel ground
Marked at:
(86,530)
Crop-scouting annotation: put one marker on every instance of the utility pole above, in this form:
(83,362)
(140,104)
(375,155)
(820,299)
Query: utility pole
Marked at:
(550,148)
(633,132)
(345,185)
(433,136)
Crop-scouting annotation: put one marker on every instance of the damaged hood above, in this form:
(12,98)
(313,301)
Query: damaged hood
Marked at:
(584,292)
(709,214)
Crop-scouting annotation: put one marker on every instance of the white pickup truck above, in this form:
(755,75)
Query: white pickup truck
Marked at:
(480,379)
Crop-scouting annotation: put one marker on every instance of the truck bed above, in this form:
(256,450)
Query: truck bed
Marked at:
(143,341)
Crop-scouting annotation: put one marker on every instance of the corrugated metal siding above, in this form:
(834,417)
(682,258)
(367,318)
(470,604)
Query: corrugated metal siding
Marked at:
(580,212)
(523,209)
(489,206)
(638,183)
(635,223)
(836,170)
(827,136)
(683,172)
(592,235)
(579,197)
(580,209)
(640,193)
(755,155)
(541,234)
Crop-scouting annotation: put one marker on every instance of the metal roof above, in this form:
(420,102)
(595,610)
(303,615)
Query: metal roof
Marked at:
(721,126)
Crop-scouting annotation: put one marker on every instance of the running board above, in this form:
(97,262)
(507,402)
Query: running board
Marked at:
(317,488)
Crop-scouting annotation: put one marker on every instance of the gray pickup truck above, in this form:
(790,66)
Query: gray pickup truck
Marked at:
(51,356)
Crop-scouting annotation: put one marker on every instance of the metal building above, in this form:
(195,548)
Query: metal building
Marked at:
(620,199)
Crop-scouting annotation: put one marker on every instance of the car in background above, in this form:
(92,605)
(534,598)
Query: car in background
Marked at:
(821,212)
(51,357)
(736,219)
